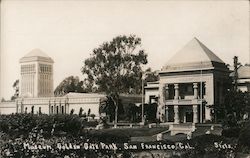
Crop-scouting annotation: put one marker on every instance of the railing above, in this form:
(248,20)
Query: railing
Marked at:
(184,101)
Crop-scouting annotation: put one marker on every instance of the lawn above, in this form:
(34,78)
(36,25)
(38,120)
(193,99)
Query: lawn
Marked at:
(135,132)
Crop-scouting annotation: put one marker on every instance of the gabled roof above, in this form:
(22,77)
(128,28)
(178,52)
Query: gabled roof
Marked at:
(34,55)
(194,52)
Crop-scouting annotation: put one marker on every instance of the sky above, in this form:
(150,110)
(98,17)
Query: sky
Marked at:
(68,31)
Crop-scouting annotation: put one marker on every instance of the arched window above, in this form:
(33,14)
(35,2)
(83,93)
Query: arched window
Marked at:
(62,110)
(52,109)
(40,111)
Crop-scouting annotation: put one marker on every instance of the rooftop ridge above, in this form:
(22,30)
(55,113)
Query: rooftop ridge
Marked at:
(193,52)
(36,54)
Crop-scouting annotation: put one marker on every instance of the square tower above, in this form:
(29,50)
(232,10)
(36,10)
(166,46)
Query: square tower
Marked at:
(36,75)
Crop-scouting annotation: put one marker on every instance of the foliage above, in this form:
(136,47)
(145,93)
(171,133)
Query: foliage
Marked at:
(150,111)
(16,88)
(70,84)
(80,111)
(108,106)
(231,132)
(244,137)
(131,112)
(89,111)
(204,146)
(108,137)
(72,111)
(92,115)
(151,76)
(236,104)
(115,67)
(22,124)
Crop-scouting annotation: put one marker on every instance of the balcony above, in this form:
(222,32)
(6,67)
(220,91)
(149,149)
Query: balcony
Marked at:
(184,101)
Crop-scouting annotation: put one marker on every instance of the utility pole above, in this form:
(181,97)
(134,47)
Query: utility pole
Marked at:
(201,107)
(236,67)
(142,97)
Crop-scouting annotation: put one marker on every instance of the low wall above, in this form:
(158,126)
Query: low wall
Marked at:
(7,107)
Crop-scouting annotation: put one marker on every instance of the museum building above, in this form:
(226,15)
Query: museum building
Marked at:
(36,91)
(190,84)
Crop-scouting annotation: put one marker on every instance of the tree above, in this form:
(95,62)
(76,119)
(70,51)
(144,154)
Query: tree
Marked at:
(32,110)
(150,111)
(70,84)
(89,111)
(235,76)
(16,88)
(72,111)
(151,76)
(108,107)
(115,67)
(132,112)
(80,112)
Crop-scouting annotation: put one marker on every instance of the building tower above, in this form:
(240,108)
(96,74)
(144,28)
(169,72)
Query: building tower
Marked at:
(36,75)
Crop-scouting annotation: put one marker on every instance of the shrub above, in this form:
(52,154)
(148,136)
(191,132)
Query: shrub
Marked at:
(231,132)
(244,137)
(21,124)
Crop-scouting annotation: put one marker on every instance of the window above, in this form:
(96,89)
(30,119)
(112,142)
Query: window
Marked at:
(62,109)
(52,110)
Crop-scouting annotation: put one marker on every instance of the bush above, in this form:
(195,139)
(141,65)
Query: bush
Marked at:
(21,124)
(108,137)
(244,138)
(204,146)
(231,132)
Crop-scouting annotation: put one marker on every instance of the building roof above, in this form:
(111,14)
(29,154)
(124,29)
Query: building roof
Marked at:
(75,94)
(243,72)
(194,51)
(194,56)
(36,54)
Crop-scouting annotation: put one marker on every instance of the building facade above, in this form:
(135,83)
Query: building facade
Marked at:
(37,96)
(190,84)
(243,79)
(36,75)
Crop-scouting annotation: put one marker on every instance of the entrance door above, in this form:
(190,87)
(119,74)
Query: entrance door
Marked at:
(189,116)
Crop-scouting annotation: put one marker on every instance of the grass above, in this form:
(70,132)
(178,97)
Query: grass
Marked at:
(134,132)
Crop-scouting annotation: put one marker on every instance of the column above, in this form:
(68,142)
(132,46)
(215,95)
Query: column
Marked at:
(166,92)
(166,113)
(54,107)
(65,108)
(204,86)
(49,108)
(195,114)
(176,91)
(195,86)
(161,109)
(176,114)
(60,108)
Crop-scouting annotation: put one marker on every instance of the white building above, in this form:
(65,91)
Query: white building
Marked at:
(243,81)
(37,91)
(190,83)
(36,75)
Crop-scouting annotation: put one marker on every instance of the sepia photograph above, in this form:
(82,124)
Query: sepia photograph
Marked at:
(124,79)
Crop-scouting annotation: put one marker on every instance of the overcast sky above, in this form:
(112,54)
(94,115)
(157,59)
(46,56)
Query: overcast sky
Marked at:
(69,30)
